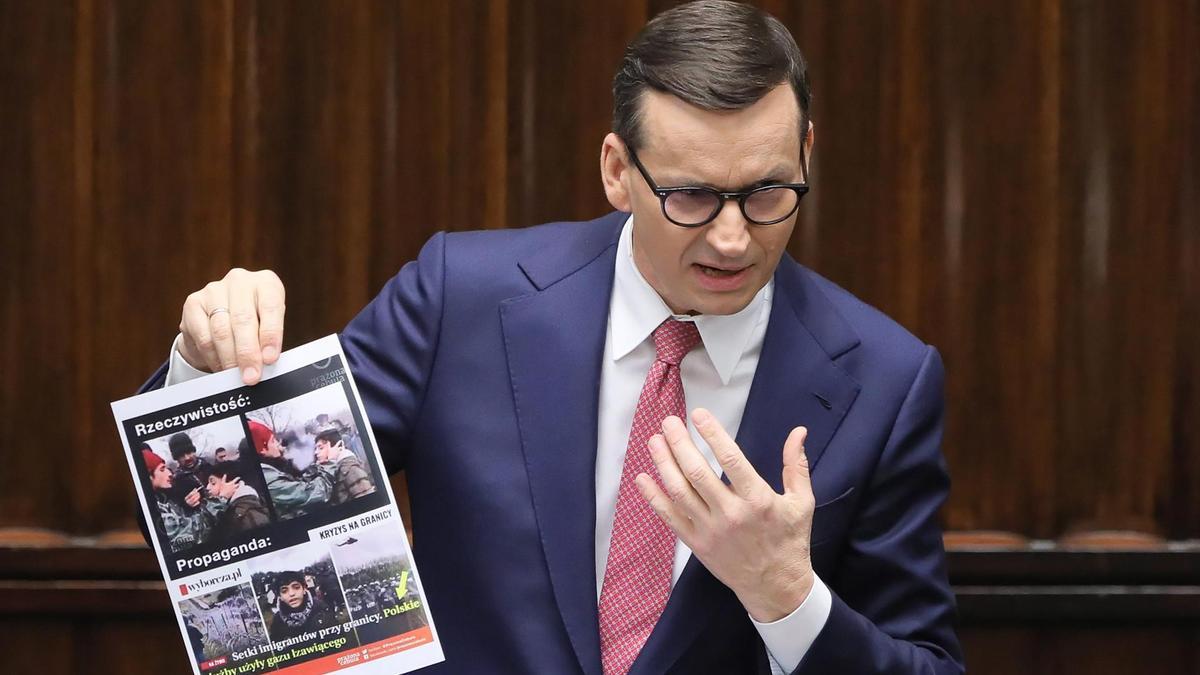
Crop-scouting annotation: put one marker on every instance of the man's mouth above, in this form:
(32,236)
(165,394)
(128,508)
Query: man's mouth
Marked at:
(721,279)
(709,270)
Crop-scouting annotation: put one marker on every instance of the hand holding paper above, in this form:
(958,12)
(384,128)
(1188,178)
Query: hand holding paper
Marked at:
(236,321)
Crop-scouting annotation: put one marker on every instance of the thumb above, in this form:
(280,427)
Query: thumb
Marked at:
(795,462)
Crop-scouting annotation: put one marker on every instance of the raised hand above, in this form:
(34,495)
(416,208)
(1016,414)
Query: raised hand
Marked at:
(753,539)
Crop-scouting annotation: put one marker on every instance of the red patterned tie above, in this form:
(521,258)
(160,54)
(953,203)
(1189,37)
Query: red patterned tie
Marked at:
(637,579)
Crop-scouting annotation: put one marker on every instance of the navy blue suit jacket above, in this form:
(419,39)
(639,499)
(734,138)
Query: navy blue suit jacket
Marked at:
(479,366)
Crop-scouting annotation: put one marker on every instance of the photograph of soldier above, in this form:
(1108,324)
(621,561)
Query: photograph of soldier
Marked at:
(310,452)
(246,509)
(223,622)
(378,579)
(191,470)
(194,520)
(189,504)
(293,491)
(298,592)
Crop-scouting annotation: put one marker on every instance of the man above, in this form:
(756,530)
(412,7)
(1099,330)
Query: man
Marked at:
(293,492)
(297,610)
(353,479)
(220,455)
(532,382)
(191,471)
(192,522)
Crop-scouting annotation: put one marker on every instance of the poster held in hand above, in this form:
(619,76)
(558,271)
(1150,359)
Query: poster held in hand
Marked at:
(274,525)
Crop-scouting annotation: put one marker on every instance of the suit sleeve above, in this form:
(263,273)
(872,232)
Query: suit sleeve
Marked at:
(893,609)
(390,347)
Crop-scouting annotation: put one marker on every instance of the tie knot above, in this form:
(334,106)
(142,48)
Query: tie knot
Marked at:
(674,339)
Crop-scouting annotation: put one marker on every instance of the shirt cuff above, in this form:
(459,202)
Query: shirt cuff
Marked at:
(179,370)
(789,638)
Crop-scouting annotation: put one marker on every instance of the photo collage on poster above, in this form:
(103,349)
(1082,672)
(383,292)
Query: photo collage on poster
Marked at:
(275,526)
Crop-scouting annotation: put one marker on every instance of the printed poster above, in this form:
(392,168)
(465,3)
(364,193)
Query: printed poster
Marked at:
(274,524)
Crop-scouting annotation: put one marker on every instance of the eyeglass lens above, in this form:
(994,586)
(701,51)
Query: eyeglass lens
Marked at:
(764,205)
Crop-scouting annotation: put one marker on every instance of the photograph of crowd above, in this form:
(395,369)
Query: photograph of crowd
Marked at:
(378,579)
(310,452)
(298,592)
(223,622)
(204,486)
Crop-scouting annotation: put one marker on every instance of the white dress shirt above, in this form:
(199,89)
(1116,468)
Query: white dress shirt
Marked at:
(716,376)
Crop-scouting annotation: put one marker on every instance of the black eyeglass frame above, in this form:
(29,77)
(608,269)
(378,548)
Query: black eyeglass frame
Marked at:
(662,193)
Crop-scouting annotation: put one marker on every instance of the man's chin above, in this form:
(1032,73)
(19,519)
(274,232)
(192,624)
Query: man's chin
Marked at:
(720,304)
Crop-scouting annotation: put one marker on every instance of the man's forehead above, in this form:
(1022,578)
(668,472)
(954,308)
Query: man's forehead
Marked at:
(759,137)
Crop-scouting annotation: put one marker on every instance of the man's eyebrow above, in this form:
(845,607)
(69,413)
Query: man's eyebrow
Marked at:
(779,173)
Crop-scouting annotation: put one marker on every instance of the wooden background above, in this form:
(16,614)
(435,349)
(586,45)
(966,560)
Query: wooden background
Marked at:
(1016,181)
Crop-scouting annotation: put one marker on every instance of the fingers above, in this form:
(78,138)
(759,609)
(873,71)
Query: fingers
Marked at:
(237,321)
(667,511)
(271,308)
(231,487)
(795,463)
(216,306)
(742,476)
(243,320)
(693,466)
(197,336)
(678,489)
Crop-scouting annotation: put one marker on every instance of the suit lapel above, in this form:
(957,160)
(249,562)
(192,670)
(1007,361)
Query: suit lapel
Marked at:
(554,339)
(796,383)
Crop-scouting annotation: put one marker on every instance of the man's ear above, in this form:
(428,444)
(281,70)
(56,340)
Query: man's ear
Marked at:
(810,137)
(614,169)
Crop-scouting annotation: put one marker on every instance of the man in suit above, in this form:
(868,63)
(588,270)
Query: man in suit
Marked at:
(569,514)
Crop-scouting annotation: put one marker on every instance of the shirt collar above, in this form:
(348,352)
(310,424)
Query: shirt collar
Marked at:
(637,309)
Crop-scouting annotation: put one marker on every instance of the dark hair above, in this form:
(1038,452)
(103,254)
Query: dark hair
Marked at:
(284,578)
(228,469)
(713,54)
(181,444)
(330,435)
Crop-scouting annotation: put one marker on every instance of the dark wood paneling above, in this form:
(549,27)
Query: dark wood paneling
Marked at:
(90,646)
(1016,182)
(1049,650)
(39,276)
(1029,610)
(998,177)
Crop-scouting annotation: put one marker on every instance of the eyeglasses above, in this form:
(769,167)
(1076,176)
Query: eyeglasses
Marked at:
(696,205)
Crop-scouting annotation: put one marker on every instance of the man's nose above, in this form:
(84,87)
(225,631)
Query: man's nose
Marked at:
(729,233)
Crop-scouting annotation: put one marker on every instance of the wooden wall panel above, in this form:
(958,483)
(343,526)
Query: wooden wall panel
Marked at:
(1016,182)
(125,645)
(1005,650)
(38,329)
(1128,115)
(564,58)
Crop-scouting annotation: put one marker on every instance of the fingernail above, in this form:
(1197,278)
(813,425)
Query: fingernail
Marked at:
(269,353)
(701,416)
(250,374)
